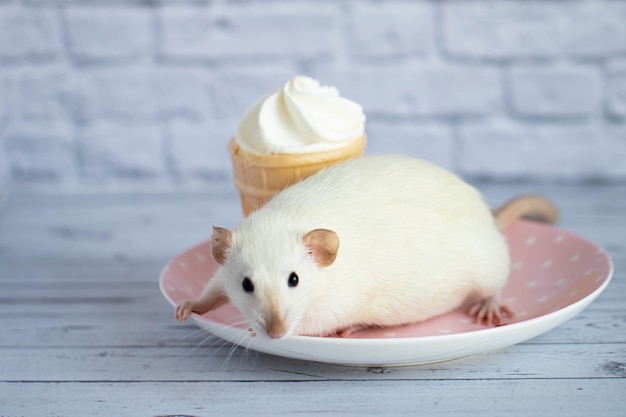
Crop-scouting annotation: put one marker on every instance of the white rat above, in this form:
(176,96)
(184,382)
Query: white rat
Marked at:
(377,241)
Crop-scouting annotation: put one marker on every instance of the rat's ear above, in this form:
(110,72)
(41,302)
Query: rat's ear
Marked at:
(221,241)
(323,244)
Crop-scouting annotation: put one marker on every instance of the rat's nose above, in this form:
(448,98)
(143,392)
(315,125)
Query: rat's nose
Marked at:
(276,328)
(274,334)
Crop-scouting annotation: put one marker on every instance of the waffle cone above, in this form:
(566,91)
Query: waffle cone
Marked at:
(260,177)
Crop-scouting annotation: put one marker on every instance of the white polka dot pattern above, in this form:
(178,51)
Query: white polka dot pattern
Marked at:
(550,270)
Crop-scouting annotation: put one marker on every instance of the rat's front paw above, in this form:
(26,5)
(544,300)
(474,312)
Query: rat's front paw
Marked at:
(184,309)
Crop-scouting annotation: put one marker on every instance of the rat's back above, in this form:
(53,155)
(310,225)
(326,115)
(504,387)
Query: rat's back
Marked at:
(375,190)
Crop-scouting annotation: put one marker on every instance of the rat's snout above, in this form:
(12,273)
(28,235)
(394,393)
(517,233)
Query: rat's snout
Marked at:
(276,330)
(276,325)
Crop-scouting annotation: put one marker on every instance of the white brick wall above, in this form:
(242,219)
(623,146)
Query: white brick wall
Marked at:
(29,35)
(147,93)
(616,89)
(127,149)
(562,151)
(544,91)
(248,30)
(96,34)
(41,152)
(390,30)
(506,30)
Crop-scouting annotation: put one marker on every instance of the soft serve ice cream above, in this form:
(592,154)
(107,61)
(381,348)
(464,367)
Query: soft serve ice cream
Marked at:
(290,134)
(302,116)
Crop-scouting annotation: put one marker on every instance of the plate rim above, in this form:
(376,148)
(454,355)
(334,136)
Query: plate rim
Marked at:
(568,311)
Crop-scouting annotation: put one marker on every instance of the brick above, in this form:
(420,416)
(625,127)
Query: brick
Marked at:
(97,3)
(40,152)
(4,102)
(500,29)
(118,150)
(5,173)
(100,34)
(28,34)
(249,30)
(431,142)
(462,91)
(199,149)
(146,94)
(594,29)
(440,91)
(545,92)
(570,152)
(233,90)
(616,89)
(46,94)
(5,165)
(391,29)
(5,169)
(534,29)
(384,90)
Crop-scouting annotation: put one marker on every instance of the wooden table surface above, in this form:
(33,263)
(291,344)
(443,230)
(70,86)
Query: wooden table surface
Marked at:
(86,332)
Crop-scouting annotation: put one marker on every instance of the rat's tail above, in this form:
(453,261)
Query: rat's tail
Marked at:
(530,207)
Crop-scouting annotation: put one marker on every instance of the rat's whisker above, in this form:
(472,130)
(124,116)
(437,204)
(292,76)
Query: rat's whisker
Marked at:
(235,347)
(229,355)
(192,350)
(189,335)
(217,339)
(250,353)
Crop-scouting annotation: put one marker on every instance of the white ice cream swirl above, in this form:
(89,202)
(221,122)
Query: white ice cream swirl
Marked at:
(302,116)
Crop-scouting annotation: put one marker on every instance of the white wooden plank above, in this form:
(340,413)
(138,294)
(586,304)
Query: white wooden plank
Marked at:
(53,280)
(225,364)
(135,228)
(79,302)
(113,228)
(116,326)
(94,296)
(536,398)
(48,275)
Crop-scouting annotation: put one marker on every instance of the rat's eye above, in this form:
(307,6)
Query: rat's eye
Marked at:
(247,285)
(293,280)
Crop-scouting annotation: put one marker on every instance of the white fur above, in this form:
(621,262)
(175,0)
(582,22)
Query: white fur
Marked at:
(415,242)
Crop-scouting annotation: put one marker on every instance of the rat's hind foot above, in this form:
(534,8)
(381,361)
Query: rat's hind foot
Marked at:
(490,312)
(348,331)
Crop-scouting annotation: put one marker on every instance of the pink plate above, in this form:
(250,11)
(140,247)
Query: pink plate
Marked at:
(554,275)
